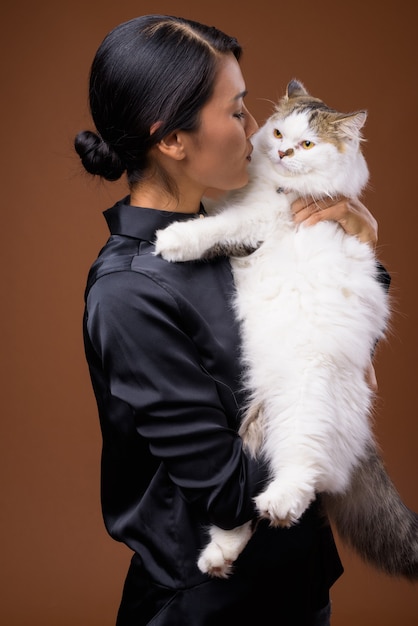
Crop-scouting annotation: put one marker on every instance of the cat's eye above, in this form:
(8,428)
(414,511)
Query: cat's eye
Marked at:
(307,144)
(277,133)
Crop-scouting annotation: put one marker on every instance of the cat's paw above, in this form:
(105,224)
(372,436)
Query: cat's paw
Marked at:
(175,243)
(169,244)
(223,550)
(283,506)
(213,562)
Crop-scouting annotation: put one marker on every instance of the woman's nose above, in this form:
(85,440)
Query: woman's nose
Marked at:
(251,126)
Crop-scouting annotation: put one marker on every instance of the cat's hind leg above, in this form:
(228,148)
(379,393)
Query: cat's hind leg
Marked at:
(223,549)
(252,429)
(285,499)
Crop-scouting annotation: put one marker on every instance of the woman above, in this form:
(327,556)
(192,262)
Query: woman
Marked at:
(167,99)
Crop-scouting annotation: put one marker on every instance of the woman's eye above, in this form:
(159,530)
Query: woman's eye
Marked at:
(240,115)
(307,144)
(277,133)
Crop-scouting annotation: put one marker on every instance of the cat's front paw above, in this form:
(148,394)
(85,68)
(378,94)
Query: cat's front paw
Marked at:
(213,562)
(169,244)
(283,505)
(176,243)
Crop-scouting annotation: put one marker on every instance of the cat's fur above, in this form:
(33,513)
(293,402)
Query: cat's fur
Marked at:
(311,309)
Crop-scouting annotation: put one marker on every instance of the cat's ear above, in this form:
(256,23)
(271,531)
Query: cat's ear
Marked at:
(351,123)
(295,89)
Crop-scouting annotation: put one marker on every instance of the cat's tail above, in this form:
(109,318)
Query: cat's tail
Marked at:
(372,519)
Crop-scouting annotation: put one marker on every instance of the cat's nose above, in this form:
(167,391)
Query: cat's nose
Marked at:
(288,152)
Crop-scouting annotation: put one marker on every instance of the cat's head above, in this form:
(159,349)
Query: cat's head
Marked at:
(313,148)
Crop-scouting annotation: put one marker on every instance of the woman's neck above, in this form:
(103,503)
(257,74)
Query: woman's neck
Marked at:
(150,196)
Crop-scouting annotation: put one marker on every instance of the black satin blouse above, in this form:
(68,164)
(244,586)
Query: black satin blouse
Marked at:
(162,347)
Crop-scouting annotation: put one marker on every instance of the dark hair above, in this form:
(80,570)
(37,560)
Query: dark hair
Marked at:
(154,68)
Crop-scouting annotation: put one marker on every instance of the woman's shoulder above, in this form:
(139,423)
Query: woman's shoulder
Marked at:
(128,269)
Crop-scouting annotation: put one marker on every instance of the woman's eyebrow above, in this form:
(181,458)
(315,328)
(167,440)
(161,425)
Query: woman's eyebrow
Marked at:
(240,95)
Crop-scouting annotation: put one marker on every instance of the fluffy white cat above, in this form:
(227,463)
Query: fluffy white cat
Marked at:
(311,308)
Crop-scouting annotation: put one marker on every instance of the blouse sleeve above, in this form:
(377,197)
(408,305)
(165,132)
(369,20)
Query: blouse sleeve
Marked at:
(151,363)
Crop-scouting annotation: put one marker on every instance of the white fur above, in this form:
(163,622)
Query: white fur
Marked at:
(311,309)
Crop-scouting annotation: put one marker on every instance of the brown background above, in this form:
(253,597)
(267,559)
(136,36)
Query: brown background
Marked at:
(58,566)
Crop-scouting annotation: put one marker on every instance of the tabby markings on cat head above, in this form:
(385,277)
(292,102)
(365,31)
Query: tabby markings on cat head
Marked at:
(325,123)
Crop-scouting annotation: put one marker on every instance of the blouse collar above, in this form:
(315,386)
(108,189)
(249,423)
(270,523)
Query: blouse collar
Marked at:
(139,222)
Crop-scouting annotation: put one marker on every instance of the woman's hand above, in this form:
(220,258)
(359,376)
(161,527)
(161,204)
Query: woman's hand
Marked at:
(351,214)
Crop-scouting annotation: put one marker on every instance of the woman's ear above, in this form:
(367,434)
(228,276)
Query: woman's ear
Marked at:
(171,145)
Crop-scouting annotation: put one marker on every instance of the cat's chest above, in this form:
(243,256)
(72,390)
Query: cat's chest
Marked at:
(294,258)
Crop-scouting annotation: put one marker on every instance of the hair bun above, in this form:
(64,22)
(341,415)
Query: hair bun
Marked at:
(97,157)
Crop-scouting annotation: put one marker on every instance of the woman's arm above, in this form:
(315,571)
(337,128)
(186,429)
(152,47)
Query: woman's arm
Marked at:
(152,364)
